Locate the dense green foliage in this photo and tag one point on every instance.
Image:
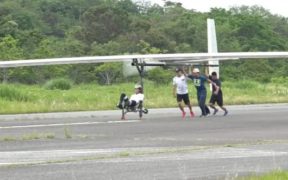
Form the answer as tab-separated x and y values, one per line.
11	94
64	28
161	76
61	83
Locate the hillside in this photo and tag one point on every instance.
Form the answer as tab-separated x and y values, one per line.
63	28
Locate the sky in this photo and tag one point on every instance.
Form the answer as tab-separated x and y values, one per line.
274	6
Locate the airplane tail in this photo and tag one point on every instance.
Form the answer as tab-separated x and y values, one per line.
212	46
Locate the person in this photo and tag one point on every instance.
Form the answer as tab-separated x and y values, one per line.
180	91
199	83
217	95
134	100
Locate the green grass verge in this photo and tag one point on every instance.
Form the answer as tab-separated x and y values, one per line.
276	175
28	137
31	99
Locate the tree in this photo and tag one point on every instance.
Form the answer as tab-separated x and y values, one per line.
109	48
103	23
160	76
146	48
108	73
9	50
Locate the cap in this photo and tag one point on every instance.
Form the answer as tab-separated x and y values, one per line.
178	69
137	86
196	70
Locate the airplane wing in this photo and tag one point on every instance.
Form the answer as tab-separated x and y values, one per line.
172	58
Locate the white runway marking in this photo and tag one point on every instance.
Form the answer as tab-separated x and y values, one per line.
26	157
67	124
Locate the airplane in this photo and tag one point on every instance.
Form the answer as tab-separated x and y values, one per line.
140	61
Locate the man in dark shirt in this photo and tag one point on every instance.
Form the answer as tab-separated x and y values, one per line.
217	95
199	83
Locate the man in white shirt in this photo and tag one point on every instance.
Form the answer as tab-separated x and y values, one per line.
137	97
134	100
180	91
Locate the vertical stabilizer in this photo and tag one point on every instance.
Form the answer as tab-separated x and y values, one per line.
212	45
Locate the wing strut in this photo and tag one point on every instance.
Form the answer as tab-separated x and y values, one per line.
140	67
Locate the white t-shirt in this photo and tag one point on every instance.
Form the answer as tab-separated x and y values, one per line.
137	97
181	84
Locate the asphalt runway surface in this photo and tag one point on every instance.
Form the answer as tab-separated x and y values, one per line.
252	139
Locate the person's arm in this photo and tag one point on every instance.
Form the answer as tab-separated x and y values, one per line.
217	89
174	90
184	72
141	97
174	87
215	85
218	83
208	76
190	76
210	81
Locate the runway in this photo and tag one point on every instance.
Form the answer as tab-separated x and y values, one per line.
98	145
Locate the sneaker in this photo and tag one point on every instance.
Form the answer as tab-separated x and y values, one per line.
192	114
215	111
119	106
145	111
204	115
226	112
183	114
122	97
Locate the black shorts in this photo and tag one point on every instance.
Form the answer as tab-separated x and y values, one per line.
184	97
216	98
132	103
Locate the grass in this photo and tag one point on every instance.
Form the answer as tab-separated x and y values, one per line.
35	136
8	138
67	133
276	175
16	98
62	84
29	137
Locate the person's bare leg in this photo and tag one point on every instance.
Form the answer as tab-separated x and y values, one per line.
224	109
213	107
191	111
182	109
